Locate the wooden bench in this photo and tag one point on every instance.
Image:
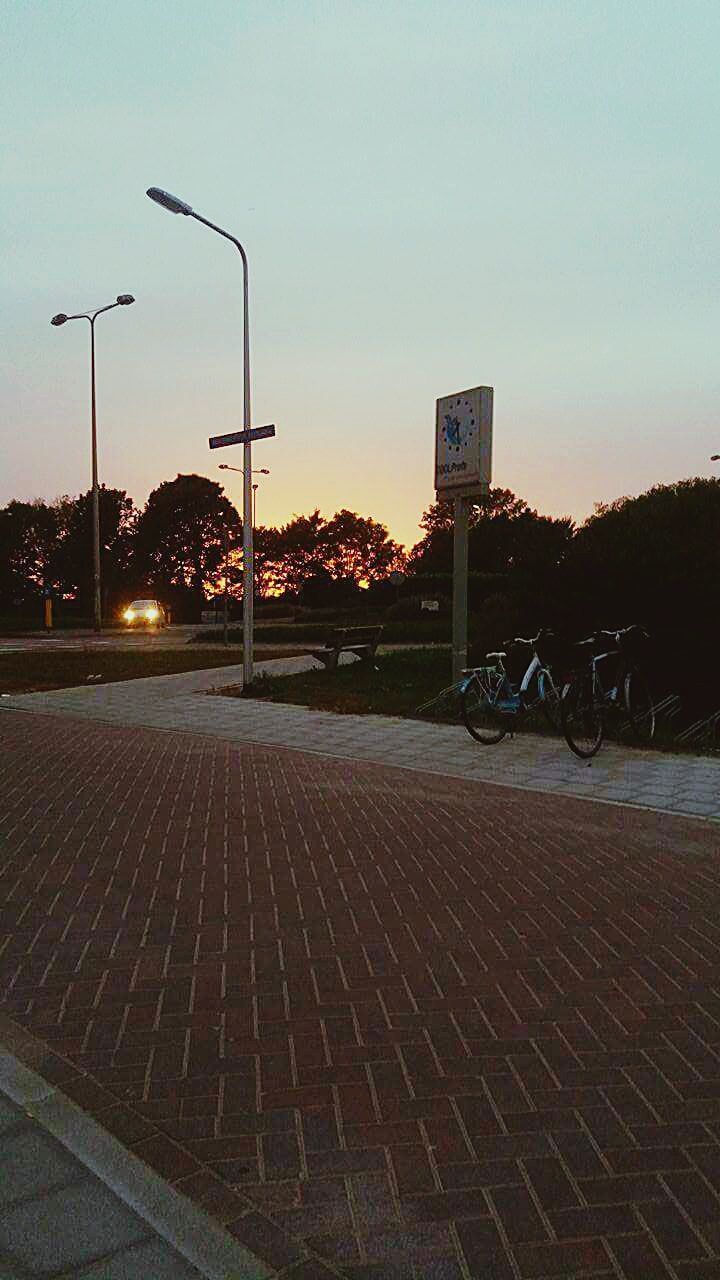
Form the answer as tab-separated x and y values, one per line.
362	641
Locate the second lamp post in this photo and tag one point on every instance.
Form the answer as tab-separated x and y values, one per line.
122	300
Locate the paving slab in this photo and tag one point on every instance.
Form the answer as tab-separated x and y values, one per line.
674	783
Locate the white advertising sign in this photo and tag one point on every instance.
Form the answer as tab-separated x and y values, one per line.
463	443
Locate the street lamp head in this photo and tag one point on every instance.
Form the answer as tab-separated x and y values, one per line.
125	299
60	318
714	457
167	201
264	471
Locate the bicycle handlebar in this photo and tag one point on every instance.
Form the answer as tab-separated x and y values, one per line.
525	640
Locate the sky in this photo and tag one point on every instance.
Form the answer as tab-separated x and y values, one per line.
432	196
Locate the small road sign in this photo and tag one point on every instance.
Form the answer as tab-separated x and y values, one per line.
242	437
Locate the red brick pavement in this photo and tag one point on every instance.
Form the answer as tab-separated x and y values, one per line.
416	1027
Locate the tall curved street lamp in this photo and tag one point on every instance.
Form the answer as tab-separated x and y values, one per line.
122	300
174	205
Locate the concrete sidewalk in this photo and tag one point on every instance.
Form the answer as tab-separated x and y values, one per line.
683	784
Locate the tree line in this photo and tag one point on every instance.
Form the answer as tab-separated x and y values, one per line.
652	559
181	547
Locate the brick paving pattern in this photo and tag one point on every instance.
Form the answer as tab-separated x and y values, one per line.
415	1027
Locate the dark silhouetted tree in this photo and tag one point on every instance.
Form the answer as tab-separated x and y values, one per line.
180	536
359	549
74	558
29	539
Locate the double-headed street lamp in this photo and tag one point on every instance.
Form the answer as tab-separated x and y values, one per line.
122	300
174	205
260	471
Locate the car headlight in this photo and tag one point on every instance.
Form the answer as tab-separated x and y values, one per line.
152	613
128	615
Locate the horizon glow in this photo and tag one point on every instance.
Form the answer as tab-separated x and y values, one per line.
510	194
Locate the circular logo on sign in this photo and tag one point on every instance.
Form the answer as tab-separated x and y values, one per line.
458	426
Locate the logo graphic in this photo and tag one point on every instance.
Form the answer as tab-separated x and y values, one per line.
459	426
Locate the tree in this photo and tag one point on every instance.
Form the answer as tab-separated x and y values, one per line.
359	549
297	550
267	560
440	515
514	556
653	559
74	558
29	534
180	536
492	525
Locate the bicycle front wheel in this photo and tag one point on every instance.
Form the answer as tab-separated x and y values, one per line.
582	717
477	705
639	706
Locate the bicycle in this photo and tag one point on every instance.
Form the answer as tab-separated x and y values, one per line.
596	690
492	704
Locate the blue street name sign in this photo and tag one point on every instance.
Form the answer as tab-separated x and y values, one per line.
242	437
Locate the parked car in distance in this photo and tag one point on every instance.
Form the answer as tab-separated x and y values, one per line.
144	613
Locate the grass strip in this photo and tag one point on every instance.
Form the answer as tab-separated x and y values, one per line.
31	670
395	684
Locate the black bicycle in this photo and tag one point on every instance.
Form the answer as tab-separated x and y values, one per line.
608	680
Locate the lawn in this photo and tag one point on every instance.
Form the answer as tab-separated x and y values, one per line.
34	670
397	685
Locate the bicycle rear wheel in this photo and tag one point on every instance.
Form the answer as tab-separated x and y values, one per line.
639	706
480	717
582	717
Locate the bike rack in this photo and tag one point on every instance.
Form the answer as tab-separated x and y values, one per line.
701	730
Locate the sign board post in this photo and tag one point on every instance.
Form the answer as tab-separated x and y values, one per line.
460	588
463	464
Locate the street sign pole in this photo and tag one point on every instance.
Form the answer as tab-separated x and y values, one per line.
225	594
460	588
245	438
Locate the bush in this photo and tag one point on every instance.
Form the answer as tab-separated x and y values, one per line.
500	618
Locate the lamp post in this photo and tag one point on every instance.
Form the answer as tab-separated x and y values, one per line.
174	205
122	300
261	471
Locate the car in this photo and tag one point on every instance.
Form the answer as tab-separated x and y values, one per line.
147	613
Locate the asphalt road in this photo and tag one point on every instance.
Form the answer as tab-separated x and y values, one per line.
114	638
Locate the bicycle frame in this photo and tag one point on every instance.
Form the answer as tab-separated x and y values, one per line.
611	696
500	692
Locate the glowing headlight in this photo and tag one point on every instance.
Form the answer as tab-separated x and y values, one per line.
128	615
152	613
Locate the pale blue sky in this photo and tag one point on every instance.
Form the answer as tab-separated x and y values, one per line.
432	196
